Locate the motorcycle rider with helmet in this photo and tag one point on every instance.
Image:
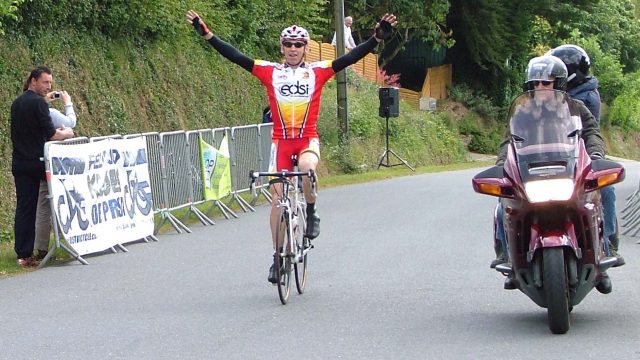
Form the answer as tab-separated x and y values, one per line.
584	87
548	73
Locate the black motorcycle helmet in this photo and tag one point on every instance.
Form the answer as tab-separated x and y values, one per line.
545	68
576	60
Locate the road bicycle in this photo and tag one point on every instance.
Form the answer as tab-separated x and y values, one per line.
293	244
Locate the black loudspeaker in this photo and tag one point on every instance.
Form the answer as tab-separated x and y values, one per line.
389	102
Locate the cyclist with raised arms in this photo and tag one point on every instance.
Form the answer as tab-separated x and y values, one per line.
294	89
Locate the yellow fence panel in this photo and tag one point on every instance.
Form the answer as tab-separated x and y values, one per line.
314	51
437	81
327	52
410	96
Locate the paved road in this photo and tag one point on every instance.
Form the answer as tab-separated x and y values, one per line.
400	272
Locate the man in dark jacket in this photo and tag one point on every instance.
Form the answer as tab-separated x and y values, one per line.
31	127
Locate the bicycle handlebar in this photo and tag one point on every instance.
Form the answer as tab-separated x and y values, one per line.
254	175
280	174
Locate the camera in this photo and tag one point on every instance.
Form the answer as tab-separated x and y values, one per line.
56	95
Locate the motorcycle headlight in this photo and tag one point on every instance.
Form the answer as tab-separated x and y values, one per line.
549	190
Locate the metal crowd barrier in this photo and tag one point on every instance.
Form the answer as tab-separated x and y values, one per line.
244	149
631	215
176	178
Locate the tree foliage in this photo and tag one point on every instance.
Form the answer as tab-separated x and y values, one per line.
8	9
250	25
114	18
625	110
612	22
425	20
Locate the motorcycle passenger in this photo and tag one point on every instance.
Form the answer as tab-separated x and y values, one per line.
584	87
294	89
548	73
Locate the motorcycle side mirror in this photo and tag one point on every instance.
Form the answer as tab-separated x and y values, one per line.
492	181
603	173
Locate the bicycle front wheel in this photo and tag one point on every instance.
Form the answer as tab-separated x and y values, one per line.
302	245
283	260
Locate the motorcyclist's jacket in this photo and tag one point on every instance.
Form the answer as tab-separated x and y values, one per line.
593	140
587	92
294	94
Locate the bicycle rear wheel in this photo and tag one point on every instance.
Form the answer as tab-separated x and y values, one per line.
302	245
283	260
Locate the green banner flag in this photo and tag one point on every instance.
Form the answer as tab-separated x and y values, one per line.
216	170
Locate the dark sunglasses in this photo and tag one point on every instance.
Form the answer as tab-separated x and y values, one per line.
543	82
289	44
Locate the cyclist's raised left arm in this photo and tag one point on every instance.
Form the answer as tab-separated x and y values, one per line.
234	55
354	55
382	31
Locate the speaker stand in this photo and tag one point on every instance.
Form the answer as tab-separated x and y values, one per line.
384	158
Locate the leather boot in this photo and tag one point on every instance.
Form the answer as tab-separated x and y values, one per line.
604	285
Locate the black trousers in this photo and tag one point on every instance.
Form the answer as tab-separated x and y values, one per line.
27	175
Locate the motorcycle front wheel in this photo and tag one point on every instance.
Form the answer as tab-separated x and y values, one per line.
556	289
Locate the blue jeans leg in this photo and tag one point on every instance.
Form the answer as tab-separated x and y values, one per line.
500	241
608	195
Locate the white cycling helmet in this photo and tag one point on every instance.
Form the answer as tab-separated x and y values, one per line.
293	33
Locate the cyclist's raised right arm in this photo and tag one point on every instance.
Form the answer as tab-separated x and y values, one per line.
225	49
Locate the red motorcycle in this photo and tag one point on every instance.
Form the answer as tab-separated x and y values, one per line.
552	209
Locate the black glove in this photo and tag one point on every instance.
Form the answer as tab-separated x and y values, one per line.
200	27
384	30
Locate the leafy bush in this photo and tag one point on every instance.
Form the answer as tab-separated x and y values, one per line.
479	103
117	18
484	140
625	109
8	10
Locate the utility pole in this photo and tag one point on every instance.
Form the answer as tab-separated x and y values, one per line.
341	76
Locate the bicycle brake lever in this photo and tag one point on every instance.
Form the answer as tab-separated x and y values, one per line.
253	176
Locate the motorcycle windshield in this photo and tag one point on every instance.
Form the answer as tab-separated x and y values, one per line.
544	134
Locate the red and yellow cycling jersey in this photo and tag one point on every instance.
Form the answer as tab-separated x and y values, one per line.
294	95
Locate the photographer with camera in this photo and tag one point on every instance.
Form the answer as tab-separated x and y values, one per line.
43	212
31	127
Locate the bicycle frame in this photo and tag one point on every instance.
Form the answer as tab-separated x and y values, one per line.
294	245
289	205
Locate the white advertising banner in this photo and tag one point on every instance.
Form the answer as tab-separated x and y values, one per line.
101	192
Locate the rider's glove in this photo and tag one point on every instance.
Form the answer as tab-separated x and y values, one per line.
383	31
200	27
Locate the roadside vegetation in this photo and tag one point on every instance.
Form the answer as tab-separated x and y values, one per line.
136	66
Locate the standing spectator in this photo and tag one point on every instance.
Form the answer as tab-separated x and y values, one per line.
349	43
43	213
31	127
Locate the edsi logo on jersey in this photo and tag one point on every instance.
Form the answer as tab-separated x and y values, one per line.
296	89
